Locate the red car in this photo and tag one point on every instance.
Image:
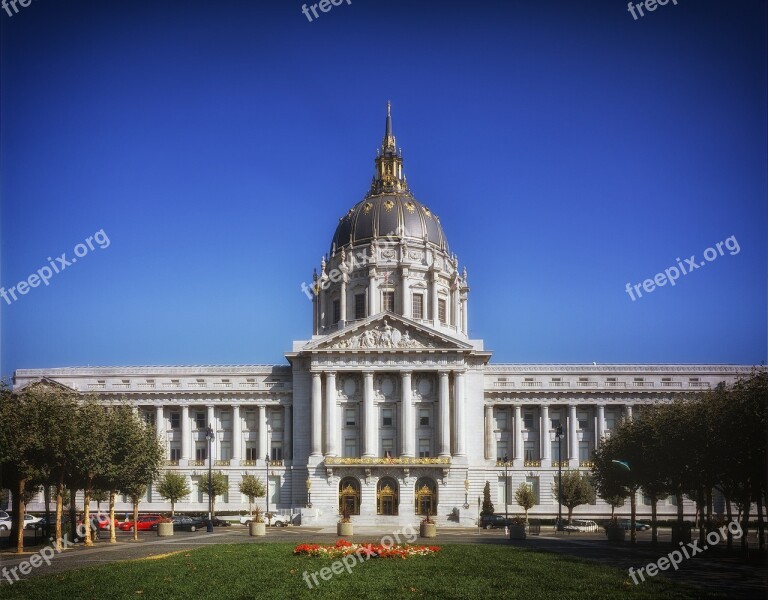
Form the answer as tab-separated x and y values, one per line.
102	519
145	523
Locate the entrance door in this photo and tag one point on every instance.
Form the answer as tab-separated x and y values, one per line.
387	497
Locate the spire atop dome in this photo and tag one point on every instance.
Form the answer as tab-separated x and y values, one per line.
389	163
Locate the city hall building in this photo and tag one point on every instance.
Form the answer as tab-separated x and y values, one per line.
388	408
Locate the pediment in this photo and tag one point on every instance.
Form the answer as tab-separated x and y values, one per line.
387	332
44	384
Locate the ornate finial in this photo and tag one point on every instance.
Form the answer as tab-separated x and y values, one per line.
314	274
464	275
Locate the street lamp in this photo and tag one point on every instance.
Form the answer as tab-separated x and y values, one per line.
266	481
506	479
559	438
309	493
209	437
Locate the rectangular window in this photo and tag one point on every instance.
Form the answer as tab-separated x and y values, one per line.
502	451
583	424
555	422
441	311
250	451
610	421
225	418
387	447
423	417
359	306
386	417
585	452
425	448
336	311
250	420
388	301
350	417
276	451
554	451
175	452
201	451
175	420
149	418
276	420
350	448
418	306
529	449
528	420
225	450
200	420
502	420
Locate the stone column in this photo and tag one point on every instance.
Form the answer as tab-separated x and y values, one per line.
628	412
454	320
573	437
373	292
433	296
490	438
369	417
464	320
263	449
186	433
407	428
406	296
600	433
445	417
160	427
287	432
343	300
519	454
460	420
331	422
317	415
323	316
237	434
544	441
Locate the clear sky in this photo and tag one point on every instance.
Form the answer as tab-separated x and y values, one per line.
568	148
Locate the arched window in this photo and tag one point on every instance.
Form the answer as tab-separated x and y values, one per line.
349	496
426	496
387	496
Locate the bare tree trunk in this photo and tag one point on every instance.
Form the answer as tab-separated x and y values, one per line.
47	500
72	512
633	515
709	510
760	524
18	515
745	518
729	516
112	533
700	515
59	510
654	526
135	519
680	507
88	541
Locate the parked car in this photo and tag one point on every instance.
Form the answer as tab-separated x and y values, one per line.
103	521
144	523
493	521
30	521
216	522
627	525
275	520
5	525
582	525
4	516
183	523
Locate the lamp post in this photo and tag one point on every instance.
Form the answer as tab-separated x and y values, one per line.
309	493
559	437
266	482
506	489
209	437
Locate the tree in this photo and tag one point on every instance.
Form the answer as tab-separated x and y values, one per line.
253	488
577	489
219	487
487	504
525	497
173	487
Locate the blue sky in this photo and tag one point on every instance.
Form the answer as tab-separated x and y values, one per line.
567	148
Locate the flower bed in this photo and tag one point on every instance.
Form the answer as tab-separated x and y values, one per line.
369	550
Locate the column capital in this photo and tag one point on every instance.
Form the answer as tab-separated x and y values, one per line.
406	372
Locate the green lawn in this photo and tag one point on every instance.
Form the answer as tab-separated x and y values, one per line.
240	571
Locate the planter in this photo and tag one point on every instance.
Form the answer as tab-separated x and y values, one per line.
164	529
428	530
615	534
257	529
517	532
344	529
